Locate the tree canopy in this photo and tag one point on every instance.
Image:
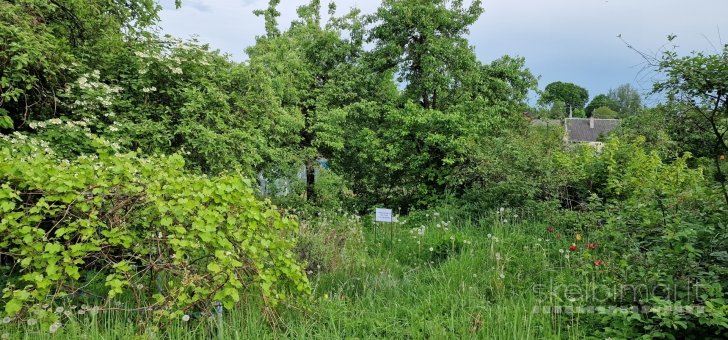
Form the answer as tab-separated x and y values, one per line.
599	101
573	96
627	99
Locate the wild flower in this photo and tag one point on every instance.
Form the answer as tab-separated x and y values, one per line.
578	237
561	251
502	276
539	239
431	249
59	310
5	336
81	311
558	235
551	230
566	256
452	238
591	246
186	318
31	322
489	235
475	275
598	262
7	319
573	247
54	327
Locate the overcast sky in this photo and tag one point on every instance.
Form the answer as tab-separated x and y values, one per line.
562	40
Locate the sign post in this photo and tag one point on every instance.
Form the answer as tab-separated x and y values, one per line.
383	215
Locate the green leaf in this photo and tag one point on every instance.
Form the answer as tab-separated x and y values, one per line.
214	267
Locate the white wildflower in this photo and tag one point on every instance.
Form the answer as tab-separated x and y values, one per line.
54	327
186	318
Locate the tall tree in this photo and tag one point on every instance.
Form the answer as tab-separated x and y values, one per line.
424	42
573	96
627	99
404	151
315	74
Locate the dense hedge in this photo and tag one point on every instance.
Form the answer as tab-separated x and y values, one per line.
136	230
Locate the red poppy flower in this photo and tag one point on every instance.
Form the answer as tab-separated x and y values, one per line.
598	262
551	230
591	246
573	247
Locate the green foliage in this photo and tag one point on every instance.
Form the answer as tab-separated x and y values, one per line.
699	84
124	222
627	100
570	94
519	169
605	113
599	101
423	43
663	227
314	76
43	37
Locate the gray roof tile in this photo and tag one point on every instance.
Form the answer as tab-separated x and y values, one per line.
578	129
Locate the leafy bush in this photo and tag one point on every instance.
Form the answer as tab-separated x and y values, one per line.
527	166
664	228
605	113
151	235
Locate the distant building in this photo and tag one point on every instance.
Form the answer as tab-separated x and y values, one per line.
588	130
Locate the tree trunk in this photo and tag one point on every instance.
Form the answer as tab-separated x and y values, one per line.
310	180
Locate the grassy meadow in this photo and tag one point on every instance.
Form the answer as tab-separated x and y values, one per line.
431	275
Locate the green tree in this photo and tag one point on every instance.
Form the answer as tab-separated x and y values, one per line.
573	96
627	99
403	151
315	75
423	43
605	113
699	83
599	101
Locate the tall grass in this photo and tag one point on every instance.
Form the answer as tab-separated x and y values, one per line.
435	276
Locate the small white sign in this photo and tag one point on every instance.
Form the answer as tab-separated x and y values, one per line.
384	215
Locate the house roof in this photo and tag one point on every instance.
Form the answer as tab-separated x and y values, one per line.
578	129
